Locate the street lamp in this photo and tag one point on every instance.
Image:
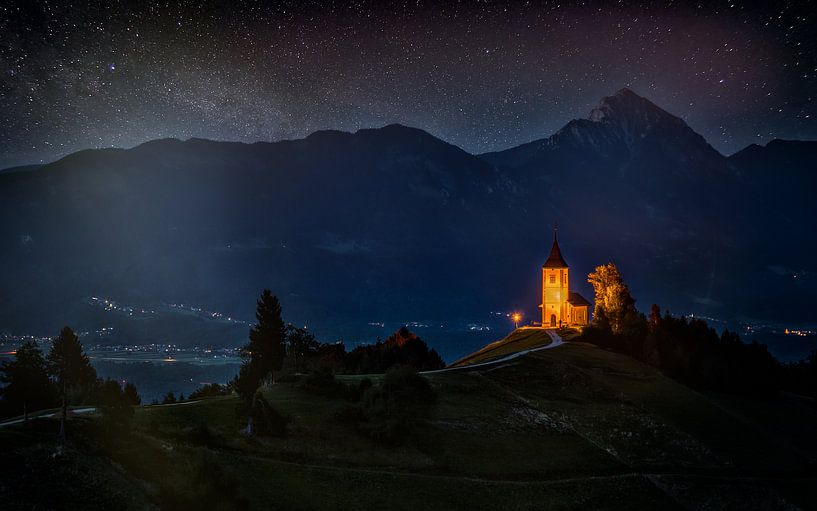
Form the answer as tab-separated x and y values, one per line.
516	317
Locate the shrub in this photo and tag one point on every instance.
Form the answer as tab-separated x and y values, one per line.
266	420
113	403
393	409
201	434
323	383
210	390
209	488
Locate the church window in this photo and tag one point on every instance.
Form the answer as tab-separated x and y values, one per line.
553	279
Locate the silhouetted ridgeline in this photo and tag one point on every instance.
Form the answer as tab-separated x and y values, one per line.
405	227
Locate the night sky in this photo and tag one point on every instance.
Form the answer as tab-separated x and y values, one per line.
482	75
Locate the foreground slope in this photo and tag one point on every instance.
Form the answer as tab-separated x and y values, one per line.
570	427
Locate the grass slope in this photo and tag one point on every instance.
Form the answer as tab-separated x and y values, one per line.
572	427
521	339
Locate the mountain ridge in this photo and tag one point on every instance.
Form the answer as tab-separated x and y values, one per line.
606	109
406	226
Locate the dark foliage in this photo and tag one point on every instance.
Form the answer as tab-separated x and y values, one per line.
266	349
68	364
801	377
265	420
691	352
263	355
301	347
403	348
114	403
323	383
392	410
202	434
132	395
210	390
26	386
211	488
169	398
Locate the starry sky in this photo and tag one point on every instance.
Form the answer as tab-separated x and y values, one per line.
483	75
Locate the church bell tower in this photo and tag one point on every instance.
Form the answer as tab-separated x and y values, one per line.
555	291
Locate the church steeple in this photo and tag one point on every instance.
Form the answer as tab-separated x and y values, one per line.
555	259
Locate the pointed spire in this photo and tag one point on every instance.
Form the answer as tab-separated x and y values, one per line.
555	259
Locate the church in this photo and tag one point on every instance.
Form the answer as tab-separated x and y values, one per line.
559	306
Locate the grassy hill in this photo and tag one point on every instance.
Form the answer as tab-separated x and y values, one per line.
570	427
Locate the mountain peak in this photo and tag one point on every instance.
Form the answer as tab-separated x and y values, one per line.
628	108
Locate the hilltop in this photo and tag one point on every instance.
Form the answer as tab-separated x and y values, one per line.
570	427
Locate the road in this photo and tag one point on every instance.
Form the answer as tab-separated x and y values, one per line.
75	411
556	341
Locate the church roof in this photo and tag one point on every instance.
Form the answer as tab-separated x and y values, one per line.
555	259
577	300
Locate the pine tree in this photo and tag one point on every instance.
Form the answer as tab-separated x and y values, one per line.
264	354
132	395
26	383
70	368
267	347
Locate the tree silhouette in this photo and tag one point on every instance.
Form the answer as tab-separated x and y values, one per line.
26	383
69	366
267	348
131	394
264	354
114	403
300	344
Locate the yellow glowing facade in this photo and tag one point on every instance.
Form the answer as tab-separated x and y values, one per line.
559	306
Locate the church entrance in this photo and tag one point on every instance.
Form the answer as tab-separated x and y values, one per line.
553	320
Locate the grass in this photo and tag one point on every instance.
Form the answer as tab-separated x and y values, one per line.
571	427
521	339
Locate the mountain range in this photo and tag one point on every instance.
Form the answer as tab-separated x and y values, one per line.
393	225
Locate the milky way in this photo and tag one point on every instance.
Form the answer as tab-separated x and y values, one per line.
484	76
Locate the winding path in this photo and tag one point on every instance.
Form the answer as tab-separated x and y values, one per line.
75	411
556	341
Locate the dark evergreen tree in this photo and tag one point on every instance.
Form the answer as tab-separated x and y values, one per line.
169	398
71	369
300	345
264	354
26	385
132	395
267	347
114	403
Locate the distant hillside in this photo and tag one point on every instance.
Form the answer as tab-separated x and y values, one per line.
575	427
394	225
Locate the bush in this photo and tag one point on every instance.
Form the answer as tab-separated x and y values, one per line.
113	403
266	420
323	383
210	488
393	409
201	434
210	390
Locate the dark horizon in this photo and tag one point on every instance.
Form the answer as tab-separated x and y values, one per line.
398	124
